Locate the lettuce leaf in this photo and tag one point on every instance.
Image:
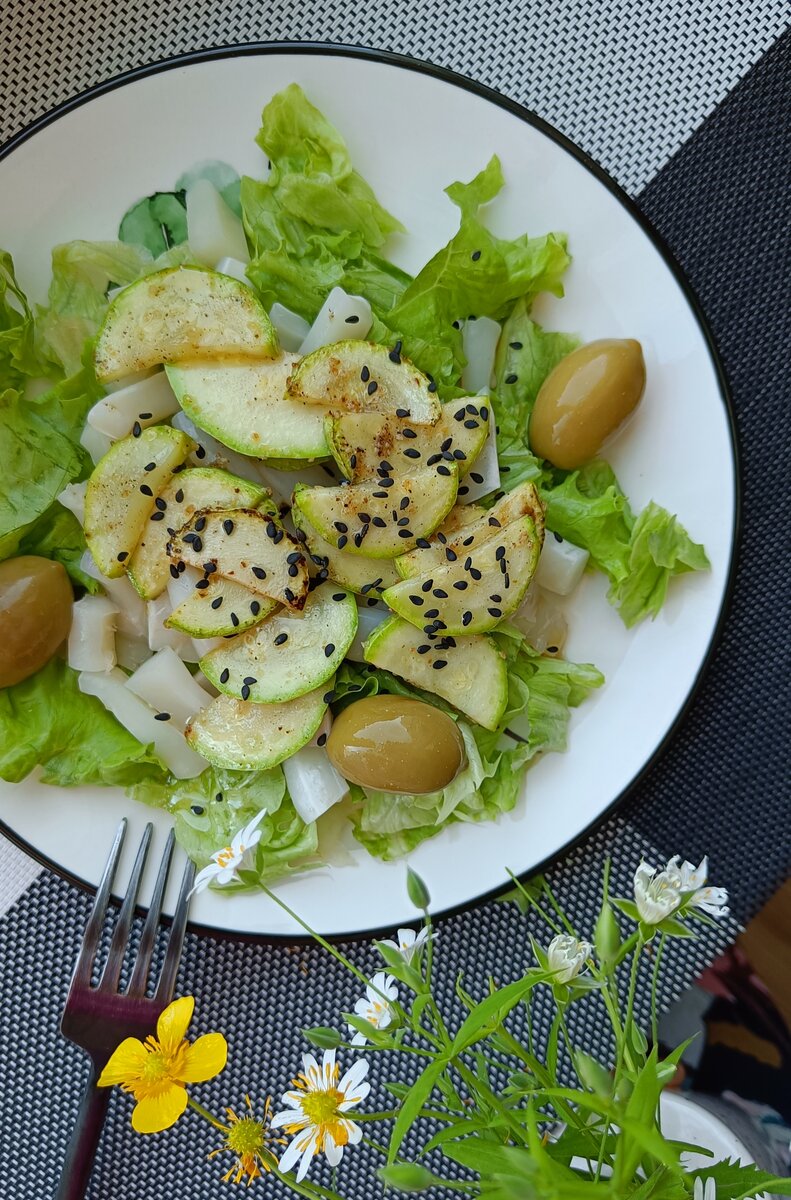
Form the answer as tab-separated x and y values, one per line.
159	221
210	809
659	549
18	359
58	535
542	692
47	721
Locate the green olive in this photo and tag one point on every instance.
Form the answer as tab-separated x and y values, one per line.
396	745
585	399
35	615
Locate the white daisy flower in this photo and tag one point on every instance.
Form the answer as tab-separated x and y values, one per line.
316	1113
567	956
658	894
408	943
225	862
374	1007
704	1191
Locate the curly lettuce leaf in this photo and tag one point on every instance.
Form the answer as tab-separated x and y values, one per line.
19	361
58	535
541	694
659	549
46	721
210	809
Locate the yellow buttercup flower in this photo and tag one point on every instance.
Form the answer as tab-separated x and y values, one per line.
249	1140
156	1071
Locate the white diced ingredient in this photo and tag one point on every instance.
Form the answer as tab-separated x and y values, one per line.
541	621
313	782
165	683
340	318
97	444
368	618
202	646
561	565
291	328
282	483
131	652
485	465
92	634
73	498
213	231
179	589
141	721
159	635
132	618
233	267
145	402
479	342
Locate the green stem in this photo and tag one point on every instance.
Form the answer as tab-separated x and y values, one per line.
479	1089
654	985
314	1191
375	1146
565	1111
207	1116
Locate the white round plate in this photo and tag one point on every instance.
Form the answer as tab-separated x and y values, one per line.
413	129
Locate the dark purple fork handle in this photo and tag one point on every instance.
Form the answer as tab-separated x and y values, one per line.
81	1151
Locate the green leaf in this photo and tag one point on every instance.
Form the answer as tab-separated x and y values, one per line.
628	908
741	1182
492	1011
409	1177
157	222
323	1037
413	1103
416	890
399	1090
19	361
46	721
659	549
674	928
592	1074
606	935
400	969
484	1157
58	535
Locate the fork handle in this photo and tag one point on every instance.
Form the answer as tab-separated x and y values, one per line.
85	1136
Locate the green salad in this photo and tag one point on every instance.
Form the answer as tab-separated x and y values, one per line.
304	521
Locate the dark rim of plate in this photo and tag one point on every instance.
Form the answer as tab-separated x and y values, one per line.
407	63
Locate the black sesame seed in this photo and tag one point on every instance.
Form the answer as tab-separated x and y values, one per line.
122	554
409	433
379	522
461	585
507	580
476	477
136	429
341	527
463	490
459	415
439	663
160	503
218	798
511	378
200	524
495	522
352	461
342	540
466	618
321	576
329	650
515	345
456	324
163	716
294	557
557	537
245	691
146	490
402	412
182	566
440	594
402	521
494	612
372	386
365	375
281	638
423	543
259	572
475	573
234	620
379	495
470	424
289	595
496	597
339	595
424	649
503	566
150	466
417	600
427	586
450	554
443	470
200	452
174	571
328	697
228	525
484	413
210	567
468	541
431	612
179	496
386	483
293	570
432	387
249	680
198	809
197	544
371	601
145	416
352	320
216	602
157	516
202	584
405	533
271	529
499	553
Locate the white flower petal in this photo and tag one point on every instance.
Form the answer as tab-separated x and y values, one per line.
354	1132
292	1152
287	1116
359	1038
310	1150
697	1191
710	1190
204	878
357	1071
355	1097
333	1153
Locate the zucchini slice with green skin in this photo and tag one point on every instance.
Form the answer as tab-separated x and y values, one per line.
356	376
523	501
286	656
474	591
254	737
470	673
184	494
182	314
246	408
359	442
116	508
219	609
247	547
382	517
366	577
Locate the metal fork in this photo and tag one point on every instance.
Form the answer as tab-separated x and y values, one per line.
99	1018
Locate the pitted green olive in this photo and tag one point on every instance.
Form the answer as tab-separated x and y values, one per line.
394	744
35	615
585	399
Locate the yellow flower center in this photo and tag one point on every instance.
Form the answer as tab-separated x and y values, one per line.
246	1137
224	856
322	1107
159	1071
